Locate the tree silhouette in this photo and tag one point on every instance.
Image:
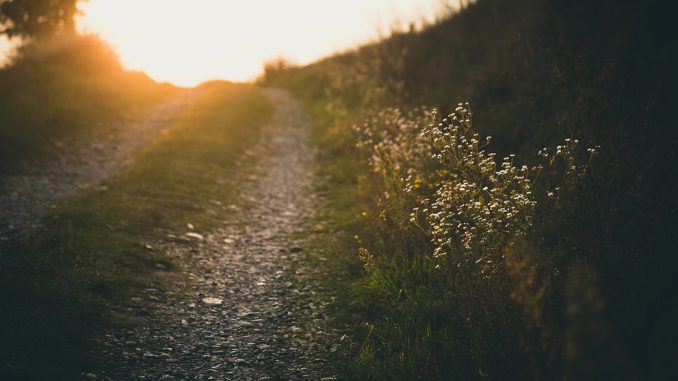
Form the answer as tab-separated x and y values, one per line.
37	18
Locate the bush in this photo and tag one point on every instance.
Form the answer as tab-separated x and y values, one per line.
482	218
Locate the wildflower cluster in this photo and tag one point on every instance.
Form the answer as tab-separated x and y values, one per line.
469	203
394	143
478	205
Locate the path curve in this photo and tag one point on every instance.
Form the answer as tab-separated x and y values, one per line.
81	164
252	309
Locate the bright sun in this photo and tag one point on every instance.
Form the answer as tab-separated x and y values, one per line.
188	42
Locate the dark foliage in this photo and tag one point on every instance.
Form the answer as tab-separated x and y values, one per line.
37	18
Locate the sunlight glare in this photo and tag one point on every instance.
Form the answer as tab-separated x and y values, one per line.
188	42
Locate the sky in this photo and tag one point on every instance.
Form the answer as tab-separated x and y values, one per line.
186	42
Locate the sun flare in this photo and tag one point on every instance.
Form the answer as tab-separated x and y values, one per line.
187	42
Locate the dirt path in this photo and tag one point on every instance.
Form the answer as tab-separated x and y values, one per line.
81	164
252	309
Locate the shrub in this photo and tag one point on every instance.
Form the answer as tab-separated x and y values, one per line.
468	204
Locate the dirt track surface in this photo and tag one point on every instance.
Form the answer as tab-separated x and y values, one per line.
81	164
251	308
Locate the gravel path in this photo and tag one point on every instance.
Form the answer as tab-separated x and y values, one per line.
80	164
251	309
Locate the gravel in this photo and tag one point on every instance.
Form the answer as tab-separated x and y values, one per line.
249	306
80	163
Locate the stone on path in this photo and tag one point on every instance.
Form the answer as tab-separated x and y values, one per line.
212	301
195	235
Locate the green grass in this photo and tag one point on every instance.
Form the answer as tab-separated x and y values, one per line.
57	280
63	87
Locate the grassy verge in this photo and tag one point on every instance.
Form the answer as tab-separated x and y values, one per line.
56	281
586	288
345	227
58	88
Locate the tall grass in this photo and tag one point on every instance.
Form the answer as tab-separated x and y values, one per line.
454	220
547	264
54	88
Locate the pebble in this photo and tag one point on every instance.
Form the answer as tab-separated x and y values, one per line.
212	301
195	235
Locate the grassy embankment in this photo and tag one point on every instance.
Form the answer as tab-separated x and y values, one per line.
56	281
577	281
61	87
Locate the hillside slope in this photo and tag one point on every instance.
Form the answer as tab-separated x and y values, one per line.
599	296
